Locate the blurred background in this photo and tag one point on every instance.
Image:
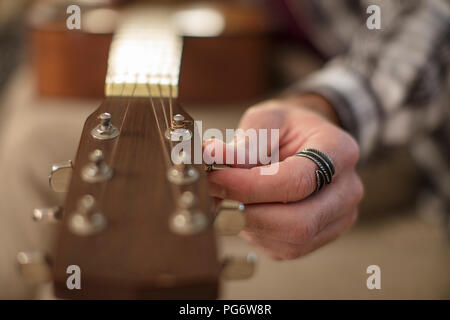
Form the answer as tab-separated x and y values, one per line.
52	79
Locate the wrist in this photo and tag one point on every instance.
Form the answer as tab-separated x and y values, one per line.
316	103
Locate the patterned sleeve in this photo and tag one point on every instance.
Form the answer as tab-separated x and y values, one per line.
389	73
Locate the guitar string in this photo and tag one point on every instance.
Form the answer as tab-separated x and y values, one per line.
166	152
164	111
125	204
170	107
175	191
114	150
196	186
170	102
163	108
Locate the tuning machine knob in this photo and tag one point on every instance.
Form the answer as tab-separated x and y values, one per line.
60	175
183	172
230	219
239	268
97	170
178	130
105	130
51	215
34	267
186	222
87	220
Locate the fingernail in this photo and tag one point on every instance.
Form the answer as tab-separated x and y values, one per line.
208	152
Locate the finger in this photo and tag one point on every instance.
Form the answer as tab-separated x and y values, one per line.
330	233
235	154
289	180
281	250
246	150
275	249
298	222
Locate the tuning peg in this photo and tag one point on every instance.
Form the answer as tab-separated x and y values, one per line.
51	215
239	268
87	220
230	219
60	175
34	267
185	222
178	130
105	130
96	170
182	173
178	121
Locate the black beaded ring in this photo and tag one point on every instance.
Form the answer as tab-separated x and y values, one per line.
326	168
324	156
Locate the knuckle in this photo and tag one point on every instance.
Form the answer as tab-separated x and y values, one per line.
354	218
359	190
323	218
251	111
290	253
350	221
353	150
302	186
346	142
301	232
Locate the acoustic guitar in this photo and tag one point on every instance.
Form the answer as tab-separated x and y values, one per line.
226	40
137	221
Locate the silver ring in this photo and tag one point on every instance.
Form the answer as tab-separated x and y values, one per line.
326	171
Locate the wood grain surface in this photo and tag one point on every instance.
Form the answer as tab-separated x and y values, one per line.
136	256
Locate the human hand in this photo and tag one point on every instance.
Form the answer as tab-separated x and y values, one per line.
283	217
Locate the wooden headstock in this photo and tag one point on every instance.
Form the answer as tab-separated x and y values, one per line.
135	253
137	223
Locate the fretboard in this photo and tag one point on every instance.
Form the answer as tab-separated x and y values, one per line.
145	55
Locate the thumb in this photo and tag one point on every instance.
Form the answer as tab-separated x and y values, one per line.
237	153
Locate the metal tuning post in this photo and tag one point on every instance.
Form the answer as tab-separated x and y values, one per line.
105	130
187	200
216	167
50	215
96	170
87	220
34	267
239	268
60	175
178	130
187	220
178	121
183	173
230	219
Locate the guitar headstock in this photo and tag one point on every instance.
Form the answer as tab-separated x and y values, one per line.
133	231
138	221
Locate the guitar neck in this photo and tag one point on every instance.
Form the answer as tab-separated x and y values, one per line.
145	55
